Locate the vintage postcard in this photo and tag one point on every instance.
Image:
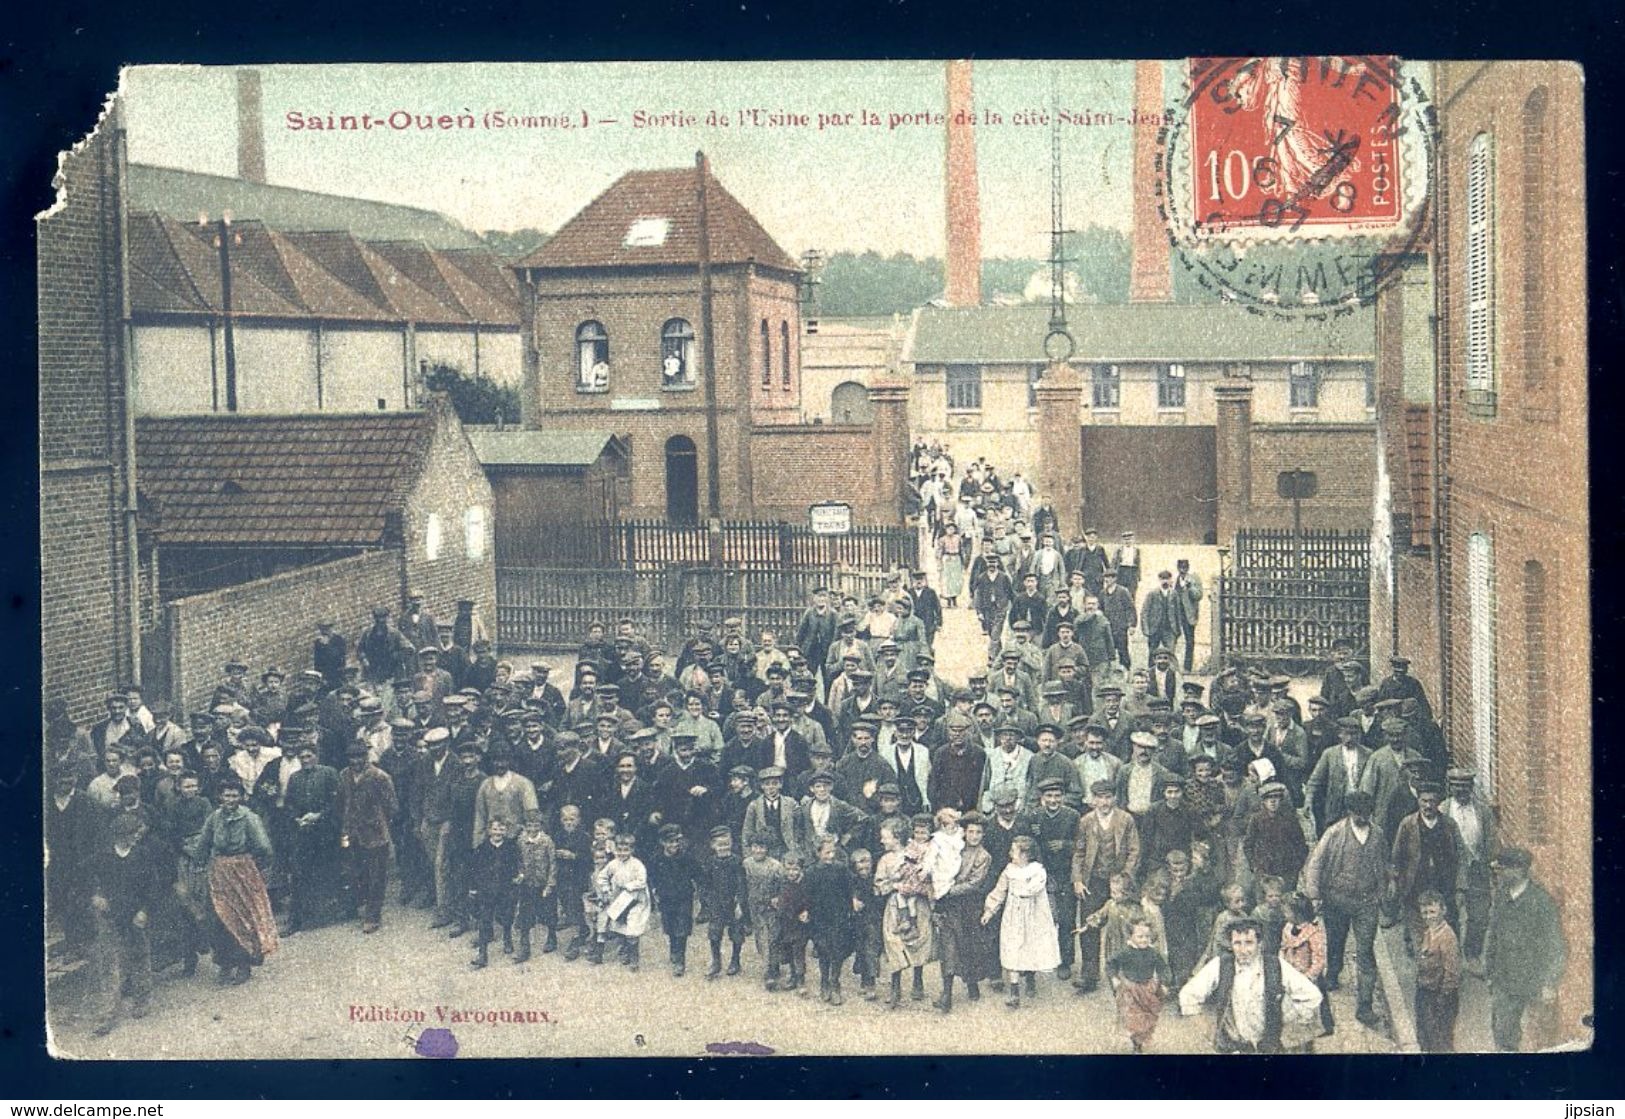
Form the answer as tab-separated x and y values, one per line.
866	558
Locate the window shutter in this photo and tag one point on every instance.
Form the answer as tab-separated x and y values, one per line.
1481	620
1480	262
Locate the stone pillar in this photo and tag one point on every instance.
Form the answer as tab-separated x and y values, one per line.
891	445
1233	407
1060	444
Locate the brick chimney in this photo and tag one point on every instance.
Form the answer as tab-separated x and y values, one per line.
1151	267
250	128
964	232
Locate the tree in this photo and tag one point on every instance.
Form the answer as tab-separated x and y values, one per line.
477	400
512	244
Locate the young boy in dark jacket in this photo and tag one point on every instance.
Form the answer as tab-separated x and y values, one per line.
493	876
673	874
573	848
722	899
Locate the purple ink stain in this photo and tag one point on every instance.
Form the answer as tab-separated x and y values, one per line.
738	1048
436	1043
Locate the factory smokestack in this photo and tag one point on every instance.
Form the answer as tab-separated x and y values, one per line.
1151	268
964	232
250	128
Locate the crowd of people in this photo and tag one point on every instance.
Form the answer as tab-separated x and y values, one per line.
1064	812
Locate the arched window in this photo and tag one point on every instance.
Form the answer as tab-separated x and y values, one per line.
677	355
767	356
592	357
784	352
849	404
1481	275
1535	180
1481	626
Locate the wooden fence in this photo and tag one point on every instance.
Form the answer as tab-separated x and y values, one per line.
541	608
1287	598
739	545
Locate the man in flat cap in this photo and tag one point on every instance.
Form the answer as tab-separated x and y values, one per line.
365	805
1401	685
1108	843
927	606
773	818
958	770
1340	769
1426	857
1159	617
1274	842
1525	951
1347	874
1385	777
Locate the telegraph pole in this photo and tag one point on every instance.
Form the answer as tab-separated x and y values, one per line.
708	348
222	238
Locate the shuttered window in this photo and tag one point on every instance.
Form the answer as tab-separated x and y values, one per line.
1481	272
1481	620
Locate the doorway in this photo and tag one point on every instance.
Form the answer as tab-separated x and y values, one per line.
682	481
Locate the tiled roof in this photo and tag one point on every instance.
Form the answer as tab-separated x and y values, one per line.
1113	332
323	480
520	447
185	194
1419	461
597	236
175	269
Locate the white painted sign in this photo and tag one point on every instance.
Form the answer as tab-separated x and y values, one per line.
832	518
634	404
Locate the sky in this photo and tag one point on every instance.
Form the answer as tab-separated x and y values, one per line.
843	187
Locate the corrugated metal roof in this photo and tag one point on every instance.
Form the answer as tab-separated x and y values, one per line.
597	237
524	447
1112	332
279	480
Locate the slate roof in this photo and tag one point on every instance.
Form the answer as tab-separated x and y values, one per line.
519	448
596	236
324	480
184	194
1124	332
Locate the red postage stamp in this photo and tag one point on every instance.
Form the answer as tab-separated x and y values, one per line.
1291	143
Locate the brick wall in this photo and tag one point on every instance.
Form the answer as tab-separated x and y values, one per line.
273	621
452	482
801	465
85	639
1342	456
1517	472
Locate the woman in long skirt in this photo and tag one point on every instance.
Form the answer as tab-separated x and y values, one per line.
961	942
951	560
236	846
905	930
1027	940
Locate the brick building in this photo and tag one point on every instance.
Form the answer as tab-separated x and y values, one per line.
230	499
614	326
90	632
1481	531
1142	427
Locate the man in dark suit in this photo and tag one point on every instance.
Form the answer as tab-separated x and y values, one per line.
1159	613
1089	557
927	606
1339	771
1188	597
687	790
1117	606
784	748
631	802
